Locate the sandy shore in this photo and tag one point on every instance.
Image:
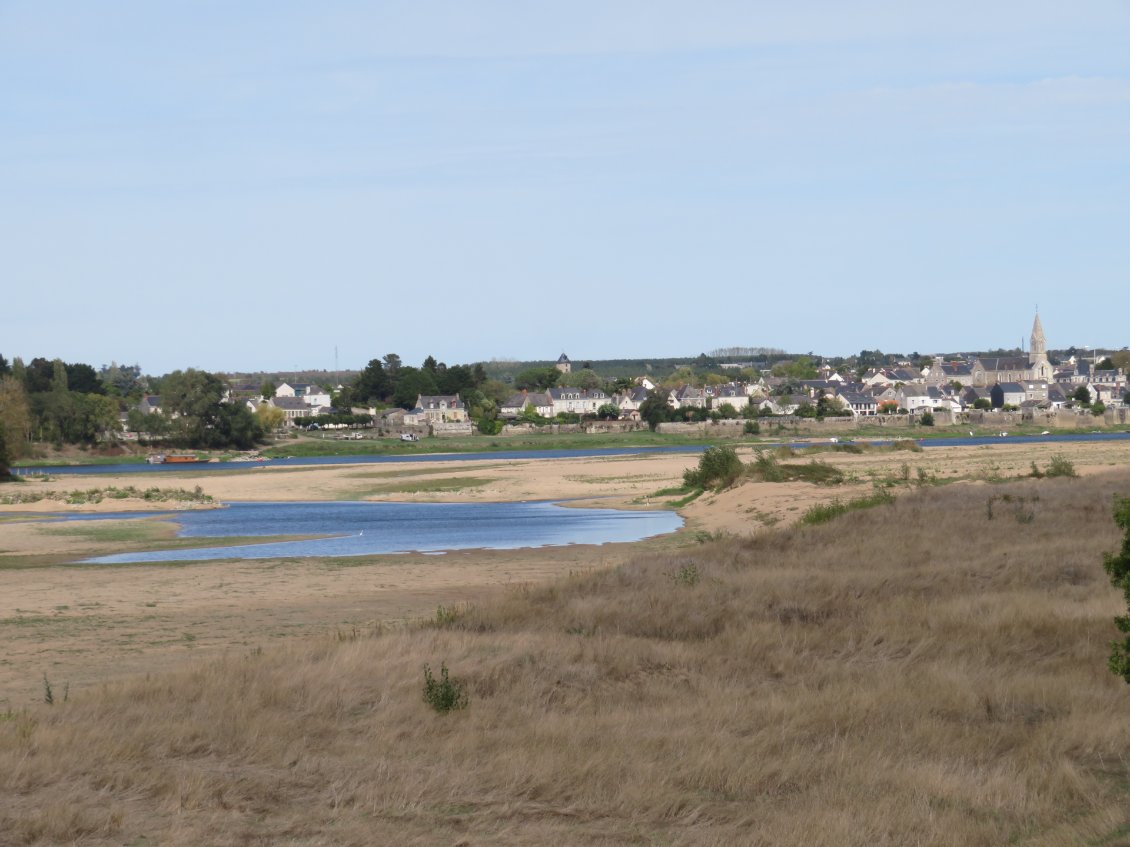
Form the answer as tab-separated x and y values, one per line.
84	625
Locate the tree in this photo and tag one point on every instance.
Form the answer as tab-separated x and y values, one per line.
5	368
270	417
15	415
727	411
411	383
203	419
1082	396
587	378
655	410
983	403
608	412
268	389
926	419
372	384
1117	567
1106	364
537	379
84	379
122	380
1098	408
5	461
800	368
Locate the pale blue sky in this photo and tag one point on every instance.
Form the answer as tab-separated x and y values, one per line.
245	186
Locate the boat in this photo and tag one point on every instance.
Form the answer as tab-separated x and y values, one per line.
182	459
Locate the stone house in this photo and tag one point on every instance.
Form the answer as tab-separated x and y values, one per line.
440	408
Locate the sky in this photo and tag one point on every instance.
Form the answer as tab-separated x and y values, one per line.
272	186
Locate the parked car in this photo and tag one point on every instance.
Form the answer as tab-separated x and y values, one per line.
409	436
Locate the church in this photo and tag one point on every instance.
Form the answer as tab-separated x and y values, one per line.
1035	366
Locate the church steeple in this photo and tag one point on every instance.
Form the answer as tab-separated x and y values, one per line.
1038	365
1039	347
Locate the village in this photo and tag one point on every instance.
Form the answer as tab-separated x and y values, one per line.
945	391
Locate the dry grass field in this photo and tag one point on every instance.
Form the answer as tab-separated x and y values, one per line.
932	671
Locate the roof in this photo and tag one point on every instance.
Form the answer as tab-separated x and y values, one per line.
1005	363
438	401
562	359
289	403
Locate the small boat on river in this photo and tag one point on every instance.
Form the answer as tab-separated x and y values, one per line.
174	459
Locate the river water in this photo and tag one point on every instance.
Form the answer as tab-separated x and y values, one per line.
365	528
543	454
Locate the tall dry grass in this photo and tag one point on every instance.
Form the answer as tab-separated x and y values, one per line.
913	674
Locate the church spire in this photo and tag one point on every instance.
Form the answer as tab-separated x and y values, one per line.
1038	349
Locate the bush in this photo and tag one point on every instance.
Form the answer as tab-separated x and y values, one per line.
445	694
1060	466
752	428
1117	566
926	419
718	466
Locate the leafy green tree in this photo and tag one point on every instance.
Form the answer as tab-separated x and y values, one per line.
800	368
5	368
15	415
372	384
1098	408
204	420
268	389
413	382
270	417
1117	566
727	412
655	410
608	412
122	380
59	380
587	378
37	375
983	403
236	426
457	379
84	379
1082	396
537	379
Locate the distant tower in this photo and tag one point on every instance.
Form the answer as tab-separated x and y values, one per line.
563	364
1038	352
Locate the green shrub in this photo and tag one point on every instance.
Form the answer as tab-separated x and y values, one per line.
824	512
1117	566
752	428
687	575
1060	466
718	466
445	694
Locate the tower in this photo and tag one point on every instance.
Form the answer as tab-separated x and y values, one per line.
1038	362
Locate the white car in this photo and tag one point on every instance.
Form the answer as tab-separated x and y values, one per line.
409	436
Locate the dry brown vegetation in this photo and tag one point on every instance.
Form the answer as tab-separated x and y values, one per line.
918	673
